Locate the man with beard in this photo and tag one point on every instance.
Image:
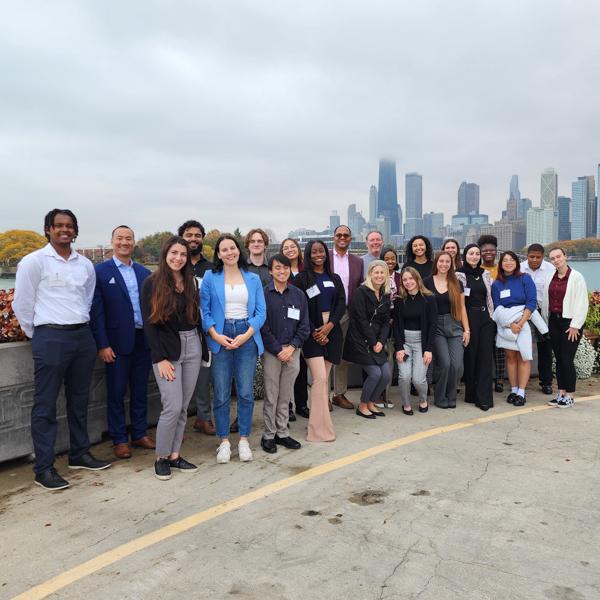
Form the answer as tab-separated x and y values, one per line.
193	232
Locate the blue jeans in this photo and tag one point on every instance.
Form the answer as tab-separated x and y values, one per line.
238	365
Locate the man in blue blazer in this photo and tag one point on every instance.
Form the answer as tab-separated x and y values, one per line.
116	321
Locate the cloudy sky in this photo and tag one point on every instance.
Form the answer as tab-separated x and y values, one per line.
265	113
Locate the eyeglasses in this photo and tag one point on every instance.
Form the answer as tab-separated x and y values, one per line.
342	235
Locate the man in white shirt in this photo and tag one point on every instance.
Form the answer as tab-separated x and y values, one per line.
540	270
53	296
374	241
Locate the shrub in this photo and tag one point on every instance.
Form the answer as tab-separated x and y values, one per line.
10	330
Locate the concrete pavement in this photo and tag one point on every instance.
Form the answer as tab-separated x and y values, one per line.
503	509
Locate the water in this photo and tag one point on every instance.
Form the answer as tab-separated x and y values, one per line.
7	283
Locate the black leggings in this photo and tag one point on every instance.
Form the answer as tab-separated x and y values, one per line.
564	352
378	377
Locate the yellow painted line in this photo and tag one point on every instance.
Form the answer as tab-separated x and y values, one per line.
51	586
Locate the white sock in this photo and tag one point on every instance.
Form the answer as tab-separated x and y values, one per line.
521	392
514	389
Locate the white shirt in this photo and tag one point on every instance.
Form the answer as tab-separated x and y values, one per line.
236	301
52	290
539	276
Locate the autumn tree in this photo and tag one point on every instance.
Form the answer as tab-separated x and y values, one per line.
16	243
208	244
148	247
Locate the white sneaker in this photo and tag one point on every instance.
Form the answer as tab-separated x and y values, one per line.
384	405
224	452
244	451
565	402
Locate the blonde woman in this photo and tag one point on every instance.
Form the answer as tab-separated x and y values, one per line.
368	332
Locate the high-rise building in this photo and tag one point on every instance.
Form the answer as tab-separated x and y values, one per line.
579	195
515	194
468	198
334	220
356	221
433	224
591	208
400	220
511	236
372	204
548	189
413	204
512	209
564	218
542	226
598	204
387	194
524	206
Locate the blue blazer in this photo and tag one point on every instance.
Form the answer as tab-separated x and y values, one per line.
111	316
212	303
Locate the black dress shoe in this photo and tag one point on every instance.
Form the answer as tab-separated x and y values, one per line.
292	416
87	461
423	409
180	464
511	398
451	403
547	389
483	407
303	412
408	412
499	387
268	446
51	480
519	400
365	416
234	427
377	413
288	442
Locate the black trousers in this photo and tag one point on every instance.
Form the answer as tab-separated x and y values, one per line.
478	358
564	352
60	356
301	386
544	348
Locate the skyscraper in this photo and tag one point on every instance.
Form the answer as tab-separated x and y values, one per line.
549	189
468	198
579	204
513	190
334	221
387	194
598	204
372	204
591	208
542	226
564	218
432	224
414	204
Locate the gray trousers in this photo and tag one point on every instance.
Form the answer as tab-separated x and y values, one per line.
202	394
448	353
279	380
175	395
412	368
340	372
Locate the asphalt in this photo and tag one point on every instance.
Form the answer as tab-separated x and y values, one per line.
494	508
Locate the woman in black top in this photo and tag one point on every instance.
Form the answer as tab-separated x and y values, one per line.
368	332
452	332
173	329
326	306
415	318
419	255
477	284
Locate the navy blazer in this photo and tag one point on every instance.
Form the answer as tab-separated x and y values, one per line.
111	316
212	303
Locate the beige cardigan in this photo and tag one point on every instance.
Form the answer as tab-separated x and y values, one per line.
575	304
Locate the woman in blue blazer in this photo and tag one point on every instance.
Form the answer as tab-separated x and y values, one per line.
233	311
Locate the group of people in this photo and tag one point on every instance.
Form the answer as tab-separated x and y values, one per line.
201	324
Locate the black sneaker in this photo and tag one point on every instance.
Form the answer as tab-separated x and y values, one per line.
87	461
288	442
162	469
498	387
51	480
519	400
511	398
180	464
269	446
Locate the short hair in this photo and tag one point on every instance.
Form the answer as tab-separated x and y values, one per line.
49	220
535	248
121	227
487	239
263	235
342	225
374	231
280	258
188	225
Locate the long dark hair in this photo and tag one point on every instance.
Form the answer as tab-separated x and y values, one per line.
453	285
164	295
218	263
410	255
300	258
308	265
516	273
457	259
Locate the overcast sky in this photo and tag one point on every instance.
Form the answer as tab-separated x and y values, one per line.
265	113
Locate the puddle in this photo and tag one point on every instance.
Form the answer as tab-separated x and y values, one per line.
368	497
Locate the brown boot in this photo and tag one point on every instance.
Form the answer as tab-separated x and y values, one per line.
343	402
205	427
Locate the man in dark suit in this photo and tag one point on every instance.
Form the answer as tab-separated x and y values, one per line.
350	269
116	320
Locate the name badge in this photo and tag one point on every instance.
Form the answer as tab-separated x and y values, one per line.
313	291
505	294
293	313
56	280
467	291
328	284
